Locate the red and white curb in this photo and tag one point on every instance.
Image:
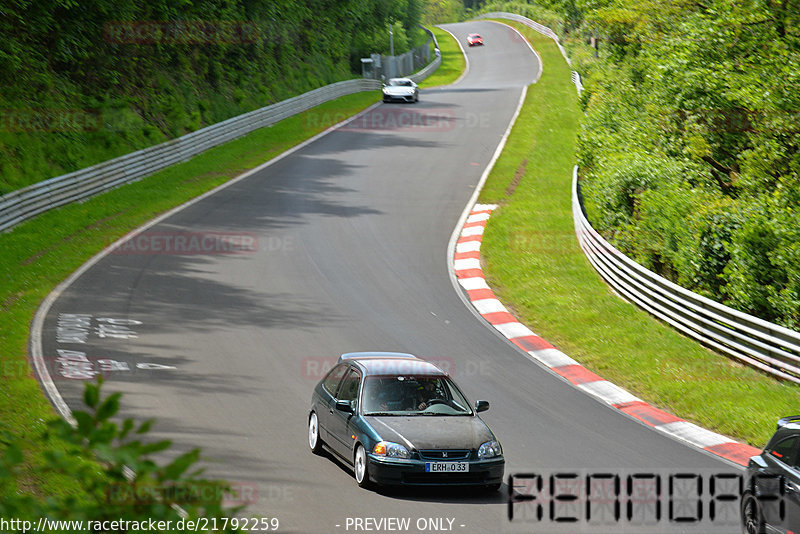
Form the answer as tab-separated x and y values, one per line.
468	272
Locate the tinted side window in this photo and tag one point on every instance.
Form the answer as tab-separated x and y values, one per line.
331	381
349	389
784	450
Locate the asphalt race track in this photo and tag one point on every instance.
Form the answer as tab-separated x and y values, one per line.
219	320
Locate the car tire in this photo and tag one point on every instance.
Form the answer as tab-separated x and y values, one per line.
491	488
360	467
752	520
314	441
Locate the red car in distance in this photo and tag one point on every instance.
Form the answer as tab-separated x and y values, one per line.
474	39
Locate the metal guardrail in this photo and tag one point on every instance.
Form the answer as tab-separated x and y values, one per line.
433	65
427	71
383	67
761	344
23	204
758	343
544	30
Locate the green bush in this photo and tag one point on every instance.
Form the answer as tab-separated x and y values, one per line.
113	463
689	152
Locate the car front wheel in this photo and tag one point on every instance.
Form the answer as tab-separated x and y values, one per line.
314	441
360	467
752	522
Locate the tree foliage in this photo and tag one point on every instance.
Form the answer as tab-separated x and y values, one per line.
690	148
114	464
84	82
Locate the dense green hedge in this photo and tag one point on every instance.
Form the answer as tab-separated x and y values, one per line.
87	81
690	149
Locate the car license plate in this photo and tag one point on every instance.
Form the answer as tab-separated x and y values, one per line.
446	467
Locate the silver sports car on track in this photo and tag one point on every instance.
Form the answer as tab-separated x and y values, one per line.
400	90
401	421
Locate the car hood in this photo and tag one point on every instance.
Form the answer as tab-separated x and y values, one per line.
398	91
432	432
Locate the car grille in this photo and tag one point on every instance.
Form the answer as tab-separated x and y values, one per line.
444	478
444	454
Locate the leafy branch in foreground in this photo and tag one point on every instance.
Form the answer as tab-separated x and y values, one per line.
113	464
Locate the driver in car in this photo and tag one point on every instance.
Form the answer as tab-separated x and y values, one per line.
426	393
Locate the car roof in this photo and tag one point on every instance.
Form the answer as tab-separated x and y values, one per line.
375	354
400	80
787	426
791	421
392	364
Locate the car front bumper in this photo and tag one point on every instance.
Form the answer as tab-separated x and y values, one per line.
397	472
399	98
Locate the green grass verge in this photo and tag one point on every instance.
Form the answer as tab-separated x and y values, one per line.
37	255
533	262
453	62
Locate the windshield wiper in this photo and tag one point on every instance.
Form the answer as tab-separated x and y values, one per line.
379	413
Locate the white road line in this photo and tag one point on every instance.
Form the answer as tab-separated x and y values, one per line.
541	65
463	53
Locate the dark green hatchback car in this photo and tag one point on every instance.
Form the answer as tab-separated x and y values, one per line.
771	500
399	420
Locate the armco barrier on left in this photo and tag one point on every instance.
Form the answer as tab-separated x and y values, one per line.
28	202
25	203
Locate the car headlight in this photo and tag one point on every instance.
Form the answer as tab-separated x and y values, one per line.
390	450
490	449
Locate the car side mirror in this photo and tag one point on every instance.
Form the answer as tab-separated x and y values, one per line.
481	405
344	406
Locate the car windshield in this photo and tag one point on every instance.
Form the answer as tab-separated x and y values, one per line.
413	395
400	83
